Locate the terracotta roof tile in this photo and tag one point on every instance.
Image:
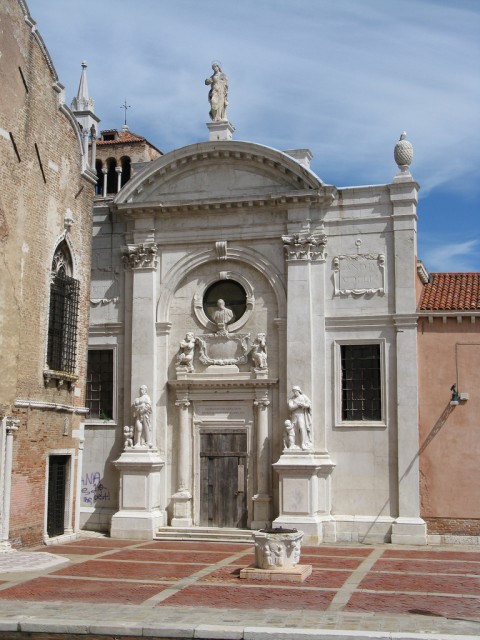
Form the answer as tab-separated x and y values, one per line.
123	137
451	292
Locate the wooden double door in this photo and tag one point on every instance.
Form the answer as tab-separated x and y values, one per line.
223	478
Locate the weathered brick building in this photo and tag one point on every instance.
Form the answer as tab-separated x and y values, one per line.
46	193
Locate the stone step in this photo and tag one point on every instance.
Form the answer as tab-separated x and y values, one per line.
213	534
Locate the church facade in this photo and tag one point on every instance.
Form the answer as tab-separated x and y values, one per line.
254	335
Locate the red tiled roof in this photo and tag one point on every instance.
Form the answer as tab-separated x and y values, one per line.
123	138
451	292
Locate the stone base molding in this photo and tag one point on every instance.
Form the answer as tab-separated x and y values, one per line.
140	513
305	500
409	531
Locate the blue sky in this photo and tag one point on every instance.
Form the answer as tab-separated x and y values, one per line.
343	78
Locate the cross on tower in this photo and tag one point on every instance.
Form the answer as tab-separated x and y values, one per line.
125	106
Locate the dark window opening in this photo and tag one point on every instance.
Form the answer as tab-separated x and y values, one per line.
100	177
231	292
112	179
126	169
100	384
361	382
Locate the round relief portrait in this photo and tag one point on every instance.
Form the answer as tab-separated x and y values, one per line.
225	302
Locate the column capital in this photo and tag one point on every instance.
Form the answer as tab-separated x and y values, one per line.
140	256
11	425
305	246
184	403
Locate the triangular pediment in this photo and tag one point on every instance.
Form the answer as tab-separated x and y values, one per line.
217	171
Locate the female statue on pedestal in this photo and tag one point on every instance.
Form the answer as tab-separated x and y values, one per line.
142	411
218	94
301	411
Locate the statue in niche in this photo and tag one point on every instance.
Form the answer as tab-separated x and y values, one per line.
187	351
301	412
128	436
142	411
223	315
289	436
259	351
218	94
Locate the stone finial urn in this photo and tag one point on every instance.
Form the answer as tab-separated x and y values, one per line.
277	548
403	152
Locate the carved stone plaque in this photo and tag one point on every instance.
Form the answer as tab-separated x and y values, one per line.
223	350
359	274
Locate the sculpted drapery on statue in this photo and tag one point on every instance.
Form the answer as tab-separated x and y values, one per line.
142	411
301	412
218	94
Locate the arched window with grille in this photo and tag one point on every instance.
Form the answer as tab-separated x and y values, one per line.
63	316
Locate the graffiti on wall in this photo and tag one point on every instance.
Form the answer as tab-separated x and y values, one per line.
93	490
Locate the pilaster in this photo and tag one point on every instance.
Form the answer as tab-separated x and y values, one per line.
182	498
11	427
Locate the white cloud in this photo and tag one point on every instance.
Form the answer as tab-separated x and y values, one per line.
453	256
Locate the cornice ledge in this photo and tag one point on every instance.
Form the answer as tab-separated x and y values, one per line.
362	321
105	329
323	196
405	320
217	383
52	406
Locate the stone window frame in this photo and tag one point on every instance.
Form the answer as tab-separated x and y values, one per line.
62	246
339	422
114	419
224	275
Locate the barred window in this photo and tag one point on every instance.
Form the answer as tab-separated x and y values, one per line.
63	316
361	382
100	384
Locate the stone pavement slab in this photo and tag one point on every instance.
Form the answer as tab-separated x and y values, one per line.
193	590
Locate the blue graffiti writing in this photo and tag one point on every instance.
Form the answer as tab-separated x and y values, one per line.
93	490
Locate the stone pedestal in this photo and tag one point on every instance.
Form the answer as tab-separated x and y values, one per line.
305	501
407	530
220	130
182	509
140	513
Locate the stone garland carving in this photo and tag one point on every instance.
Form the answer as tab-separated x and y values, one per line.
241	338
300	408
304	247
259	352
140	435
360	272
140	255
186	354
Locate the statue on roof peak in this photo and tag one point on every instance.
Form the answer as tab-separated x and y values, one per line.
218	94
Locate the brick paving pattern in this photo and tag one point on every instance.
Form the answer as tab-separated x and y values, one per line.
392	587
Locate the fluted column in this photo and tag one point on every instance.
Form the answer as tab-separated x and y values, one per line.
182	499
262	498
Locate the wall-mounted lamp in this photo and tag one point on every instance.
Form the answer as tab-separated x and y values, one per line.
455	399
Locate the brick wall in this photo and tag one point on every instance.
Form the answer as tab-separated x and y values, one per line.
40	179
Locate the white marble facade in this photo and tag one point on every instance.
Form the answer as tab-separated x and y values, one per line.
318	268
